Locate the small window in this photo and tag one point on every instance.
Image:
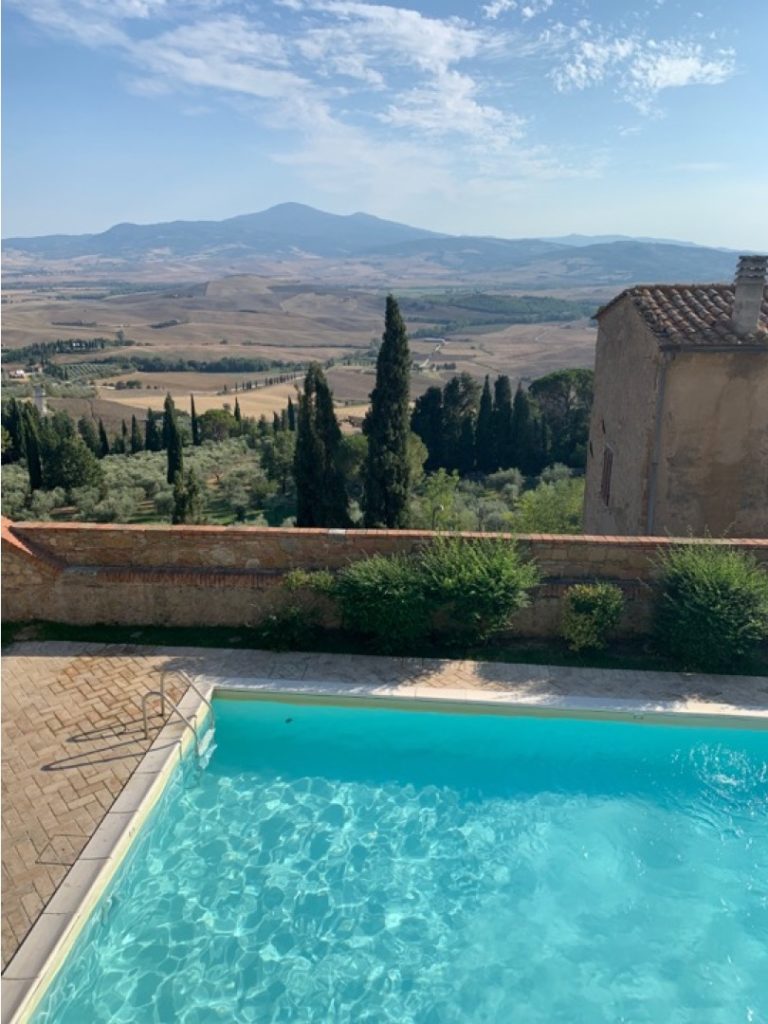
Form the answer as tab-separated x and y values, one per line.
605	482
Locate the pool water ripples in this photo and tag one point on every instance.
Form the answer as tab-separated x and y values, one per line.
358	866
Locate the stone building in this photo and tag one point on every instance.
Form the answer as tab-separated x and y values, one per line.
678	441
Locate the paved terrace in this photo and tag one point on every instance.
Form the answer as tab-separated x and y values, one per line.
72	731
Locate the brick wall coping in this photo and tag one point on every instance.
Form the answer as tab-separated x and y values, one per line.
10	528
46	561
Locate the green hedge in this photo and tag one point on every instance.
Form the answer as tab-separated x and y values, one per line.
713	608
592	611
457	590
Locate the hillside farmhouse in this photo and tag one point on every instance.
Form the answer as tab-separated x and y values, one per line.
679	430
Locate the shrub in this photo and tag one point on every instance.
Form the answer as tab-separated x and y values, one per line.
713	608
465	589
287	629
319	581
475	586
384	598
164	502
592	610
505	478
551	508
115	508
557	471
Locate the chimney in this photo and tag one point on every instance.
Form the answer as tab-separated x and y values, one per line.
748	294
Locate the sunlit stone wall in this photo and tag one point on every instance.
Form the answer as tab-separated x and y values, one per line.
208	575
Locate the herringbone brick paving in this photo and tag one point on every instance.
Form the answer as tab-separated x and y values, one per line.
72	735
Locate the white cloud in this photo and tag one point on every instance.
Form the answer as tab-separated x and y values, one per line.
403	36
638	67
497	7
92	26
674	64
534	8
448	106
230	55
529	10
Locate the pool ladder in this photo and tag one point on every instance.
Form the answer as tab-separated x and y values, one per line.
165	699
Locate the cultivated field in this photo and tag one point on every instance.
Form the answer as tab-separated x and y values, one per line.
250	317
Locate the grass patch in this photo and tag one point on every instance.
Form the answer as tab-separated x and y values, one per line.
637	654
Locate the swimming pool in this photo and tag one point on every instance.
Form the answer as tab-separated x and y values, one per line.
337	863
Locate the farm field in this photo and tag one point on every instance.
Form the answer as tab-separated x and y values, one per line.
351	388
255	318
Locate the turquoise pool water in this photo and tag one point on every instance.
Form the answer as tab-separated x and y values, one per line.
341	865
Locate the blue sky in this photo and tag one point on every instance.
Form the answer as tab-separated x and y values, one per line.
508	117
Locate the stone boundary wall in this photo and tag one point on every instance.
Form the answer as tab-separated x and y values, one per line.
83	573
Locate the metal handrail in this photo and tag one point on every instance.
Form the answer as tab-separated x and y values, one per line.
190	682
174	707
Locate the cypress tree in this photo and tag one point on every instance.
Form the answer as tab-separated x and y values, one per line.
173	442
87	430
153	442
238	416
262	426
539	444
485	439
187	498
427	422
335	500
502	422
524	457
169	418
32	449
320	491
291	415
136	442
275	422
307	459
14	424
467	446
103	441
459	403
387	425
195	423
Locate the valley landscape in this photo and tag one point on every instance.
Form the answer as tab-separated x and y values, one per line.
221	305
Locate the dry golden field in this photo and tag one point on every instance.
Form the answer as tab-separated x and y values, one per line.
246	316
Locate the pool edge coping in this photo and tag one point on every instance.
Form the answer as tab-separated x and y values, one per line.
49	941
54	933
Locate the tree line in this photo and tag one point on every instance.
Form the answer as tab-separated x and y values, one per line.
471	430
321	492
227	364
485	436
41	351
59	453
465	429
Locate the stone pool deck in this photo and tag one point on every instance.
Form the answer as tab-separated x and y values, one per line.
72	730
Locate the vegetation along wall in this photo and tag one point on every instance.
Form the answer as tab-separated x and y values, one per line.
208	575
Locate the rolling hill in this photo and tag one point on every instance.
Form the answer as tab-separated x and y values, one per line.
295	239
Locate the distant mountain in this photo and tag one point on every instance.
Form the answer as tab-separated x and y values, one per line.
293	232
580	240
537	263
281	230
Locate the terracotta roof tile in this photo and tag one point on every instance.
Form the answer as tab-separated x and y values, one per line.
691	314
